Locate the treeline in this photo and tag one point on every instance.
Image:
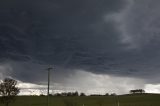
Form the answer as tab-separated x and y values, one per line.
76	93
79	94
67	94
137	91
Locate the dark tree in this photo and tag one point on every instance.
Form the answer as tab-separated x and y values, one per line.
107	94
137	91
113	94
8	90
75	93
82	94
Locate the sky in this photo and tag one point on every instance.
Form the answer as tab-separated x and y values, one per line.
93	46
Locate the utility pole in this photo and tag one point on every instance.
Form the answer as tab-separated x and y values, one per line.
48	69
117	101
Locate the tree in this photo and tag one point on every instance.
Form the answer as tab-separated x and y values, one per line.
82	94
75	93
107	94
113	94
137	91
8	90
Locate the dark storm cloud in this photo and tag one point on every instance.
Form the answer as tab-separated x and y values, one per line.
70	34
56	31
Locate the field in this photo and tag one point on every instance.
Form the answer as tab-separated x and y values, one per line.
124	100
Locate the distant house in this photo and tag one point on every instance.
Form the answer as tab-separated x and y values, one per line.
137	91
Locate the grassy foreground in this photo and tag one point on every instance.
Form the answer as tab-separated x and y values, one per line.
124	100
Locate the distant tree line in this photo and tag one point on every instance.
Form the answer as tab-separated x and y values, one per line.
79	94
67	94
137	91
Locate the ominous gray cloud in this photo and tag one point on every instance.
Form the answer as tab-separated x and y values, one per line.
118	37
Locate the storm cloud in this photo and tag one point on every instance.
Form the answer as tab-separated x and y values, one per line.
114	37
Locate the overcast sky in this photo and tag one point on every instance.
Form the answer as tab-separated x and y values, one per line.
95	46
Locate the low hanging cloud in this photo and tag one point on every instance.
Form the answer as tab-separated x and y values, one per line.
101	84
115	38
90	83
94	84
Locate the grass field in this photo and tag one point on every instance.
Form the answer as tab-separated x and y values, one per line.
124	100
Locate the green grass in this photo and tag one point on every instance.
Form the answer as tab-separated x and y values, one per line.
124	100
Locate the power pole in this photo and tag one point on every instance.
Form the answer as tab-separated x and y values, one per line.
117	101
48	69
